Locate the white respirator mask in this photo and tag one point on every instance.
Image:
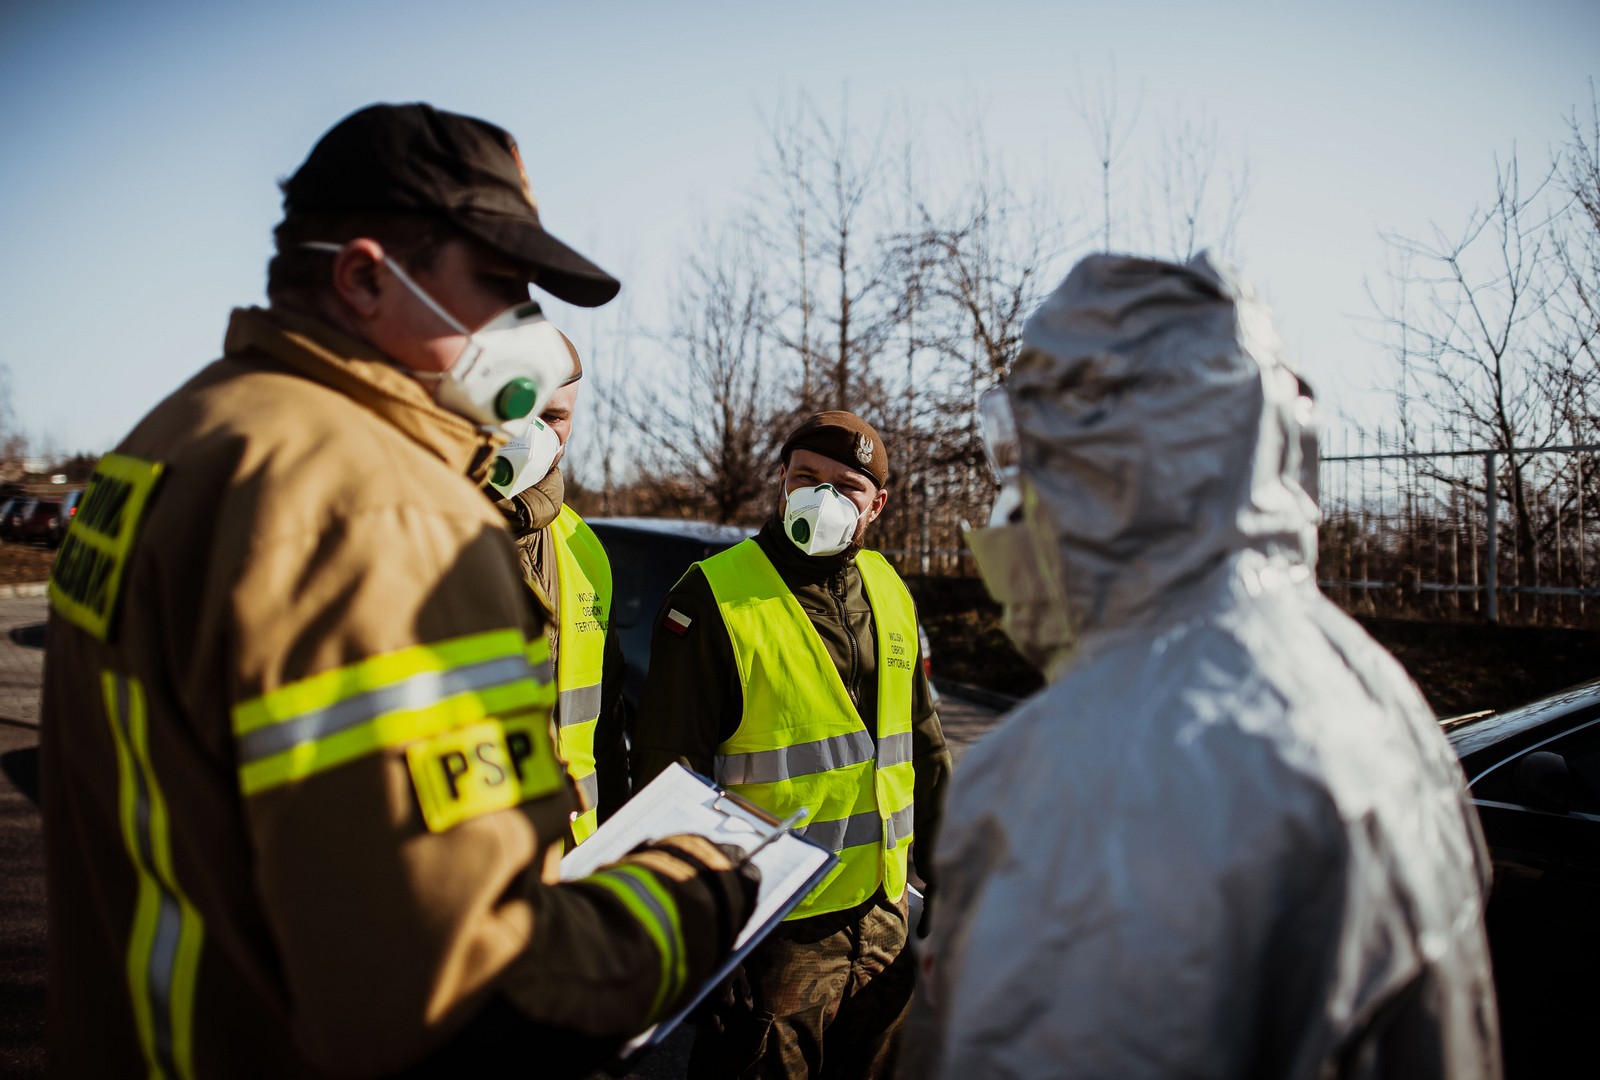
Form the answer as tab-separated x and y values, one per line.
526	459
1017	572
819	520
1018	565
508	368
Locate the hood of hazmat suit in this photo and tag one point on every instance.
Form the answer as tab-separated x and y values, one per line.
1229	839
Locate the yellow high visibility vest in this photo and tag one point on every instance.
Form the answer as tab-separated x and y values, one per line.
801	741
584	577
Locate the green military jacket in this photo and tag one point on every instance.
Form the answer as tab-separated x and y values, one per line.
528	517
692	699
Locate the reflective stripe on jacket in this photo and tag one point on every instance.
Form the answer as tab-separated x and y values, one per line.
801	742
301	797
584	577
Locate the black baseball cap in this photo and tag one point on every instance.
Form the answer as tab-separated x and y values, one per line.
420	159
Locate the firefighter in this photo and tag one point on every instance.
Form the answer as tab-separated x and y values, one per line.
302	808
789	668
566	566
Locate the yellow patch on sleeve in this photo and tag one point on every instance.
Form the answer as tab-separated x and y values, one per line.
476	770
86	580
533	755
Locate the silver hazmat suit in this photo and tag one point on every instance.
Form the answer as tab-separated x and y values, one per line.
1229	839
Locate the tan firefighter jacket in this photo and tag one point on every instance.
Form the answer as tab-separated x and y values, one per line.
302	806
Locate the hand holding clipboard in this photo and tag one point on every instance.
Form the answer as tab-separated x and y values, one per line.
680	801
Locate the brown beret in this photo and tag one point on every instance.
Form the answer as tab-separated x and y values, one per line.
844	437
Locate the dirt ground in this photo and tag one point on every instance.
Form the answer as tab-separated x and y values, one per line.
1461	667
1464	667
24	563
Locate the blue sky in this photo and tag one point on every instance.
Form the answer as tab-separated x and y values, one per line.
143	142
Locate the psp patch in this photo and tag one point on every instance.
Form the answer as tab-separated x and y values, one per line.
488	766
86	580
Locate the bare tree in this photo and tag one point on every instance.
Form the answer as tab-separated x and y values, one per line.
597	457
720	424
825	225
1199	199
1469	323
13	440
852	281
1108	132
1575	305
970	273
787	228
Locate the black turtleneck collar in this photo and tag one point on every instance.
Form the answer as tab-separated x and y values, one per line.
794	565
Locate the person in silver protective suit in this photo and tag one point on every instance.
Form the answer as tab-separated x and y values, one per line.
1228	838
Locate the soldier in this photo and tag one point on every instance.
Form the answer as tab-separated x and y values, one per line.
566	566
788	667
302	809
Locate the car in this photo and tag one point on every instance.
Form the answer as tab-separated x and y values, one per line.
69	510
19	511
6	506
648	556
41	522
1534	777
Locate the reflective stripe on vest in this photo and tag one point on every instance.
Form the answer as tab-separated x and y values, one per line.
801	741
583	575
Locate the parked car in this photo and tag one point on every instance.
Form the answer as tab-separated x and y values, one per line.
1534	776
6	506
648	556
41	522
17	513
69	510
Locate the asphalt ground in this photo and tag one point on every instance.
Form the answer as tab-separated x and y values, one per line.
22	886
22	959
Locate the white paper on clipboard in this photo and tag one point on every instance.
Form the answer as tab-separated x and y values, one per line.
679	801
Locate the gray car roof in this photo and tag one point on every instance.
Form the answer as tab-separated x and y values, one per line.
705	531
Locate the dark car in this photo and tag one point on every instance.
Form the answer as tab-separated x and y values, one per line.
1534	775
648	556
41	522
6	507
69	510
18	513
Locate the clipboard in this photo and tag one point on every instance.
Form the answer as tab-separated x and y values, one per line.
681	801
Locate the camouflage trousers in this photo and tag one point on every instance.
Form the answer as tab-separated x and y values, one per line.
821	997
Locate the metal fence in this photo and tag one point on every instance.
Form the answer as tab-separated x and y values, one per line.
1446	533
1503	536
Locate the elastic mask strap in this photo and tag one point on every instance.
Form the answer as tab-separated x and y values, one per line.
405	279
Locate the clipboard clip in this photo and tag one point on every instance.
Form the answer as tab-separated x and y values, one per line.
776	827
776	831
746	805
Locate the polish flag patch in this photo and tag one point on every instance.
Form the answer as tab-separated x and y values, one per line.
678	622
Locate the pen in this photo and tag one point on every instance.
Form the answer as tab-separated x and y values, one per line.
777	830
